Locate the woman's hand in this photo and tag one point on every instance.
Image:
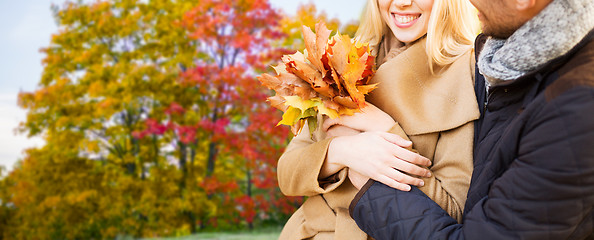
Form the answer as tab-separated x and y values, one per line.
357	179
369	119
378	155
363	145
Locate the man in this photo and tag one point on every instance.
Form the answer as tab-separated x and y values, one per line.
534	143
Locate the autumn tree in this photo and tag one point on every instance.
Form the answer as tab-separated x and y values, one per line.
153	120
111	66
234	38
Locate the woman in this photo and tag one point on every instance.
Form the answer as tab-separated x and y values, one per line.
424	54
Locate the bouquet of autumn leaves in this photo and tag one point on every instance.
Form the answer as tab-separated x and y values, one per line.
330	77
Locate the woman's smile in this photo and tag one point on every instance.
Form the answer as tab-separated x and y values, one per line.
404	20
408	20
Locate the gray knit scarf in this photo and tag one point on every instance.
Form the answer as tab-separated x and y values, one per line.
550	34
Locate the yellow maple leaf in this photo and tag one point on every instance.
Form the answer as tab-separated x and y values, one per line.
290	116
301	104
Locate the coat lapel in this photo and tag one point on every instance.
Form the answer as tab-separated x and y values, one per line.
422	102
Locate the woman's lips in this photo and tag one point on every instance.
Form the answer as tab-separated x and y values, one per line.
405	20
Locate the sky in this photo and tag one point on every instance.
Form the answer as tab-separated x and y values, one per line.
26	26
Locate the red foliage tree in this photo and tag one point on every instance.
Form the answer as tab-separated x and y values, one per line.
225	116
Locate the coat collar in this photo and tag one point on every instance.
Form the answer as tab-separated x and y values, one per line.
421	102
389	48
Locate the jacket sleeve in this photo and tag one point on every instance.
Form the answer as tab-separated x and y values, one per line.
547	192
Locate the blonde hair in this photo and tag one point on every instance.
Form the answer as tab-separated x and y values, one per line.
452	28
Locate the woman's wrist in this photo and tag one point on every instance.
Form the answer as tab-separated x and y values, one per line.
334	161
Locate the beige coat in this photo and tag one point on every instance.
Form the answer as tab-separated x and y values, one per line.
437	114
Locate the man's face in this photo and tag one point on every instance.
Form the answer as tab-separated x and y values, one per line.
499	18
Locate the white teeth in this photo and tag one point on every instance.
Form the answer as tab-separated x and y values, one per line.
405	19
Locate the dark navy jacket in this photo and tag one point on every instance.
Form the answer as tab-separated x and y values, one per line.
533	170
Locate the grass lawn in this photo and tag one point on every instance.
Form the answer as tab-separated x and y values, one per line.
256	234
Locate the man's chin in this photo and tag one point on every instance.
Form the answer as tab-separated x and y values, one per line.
503	31
498	34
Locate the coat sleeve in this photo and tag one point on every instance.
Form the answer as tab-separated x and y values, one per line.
546	193
300	165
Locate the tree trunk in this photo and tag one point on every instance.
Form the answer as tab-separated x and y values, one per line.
249	183
212	147
249	193
182	165
192	220
131	167
212	156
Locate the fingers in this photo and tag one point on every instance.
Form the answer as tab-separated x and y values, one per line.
410	168
395	139
392	183
403	178
329	122
410	157
402	153
398	180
